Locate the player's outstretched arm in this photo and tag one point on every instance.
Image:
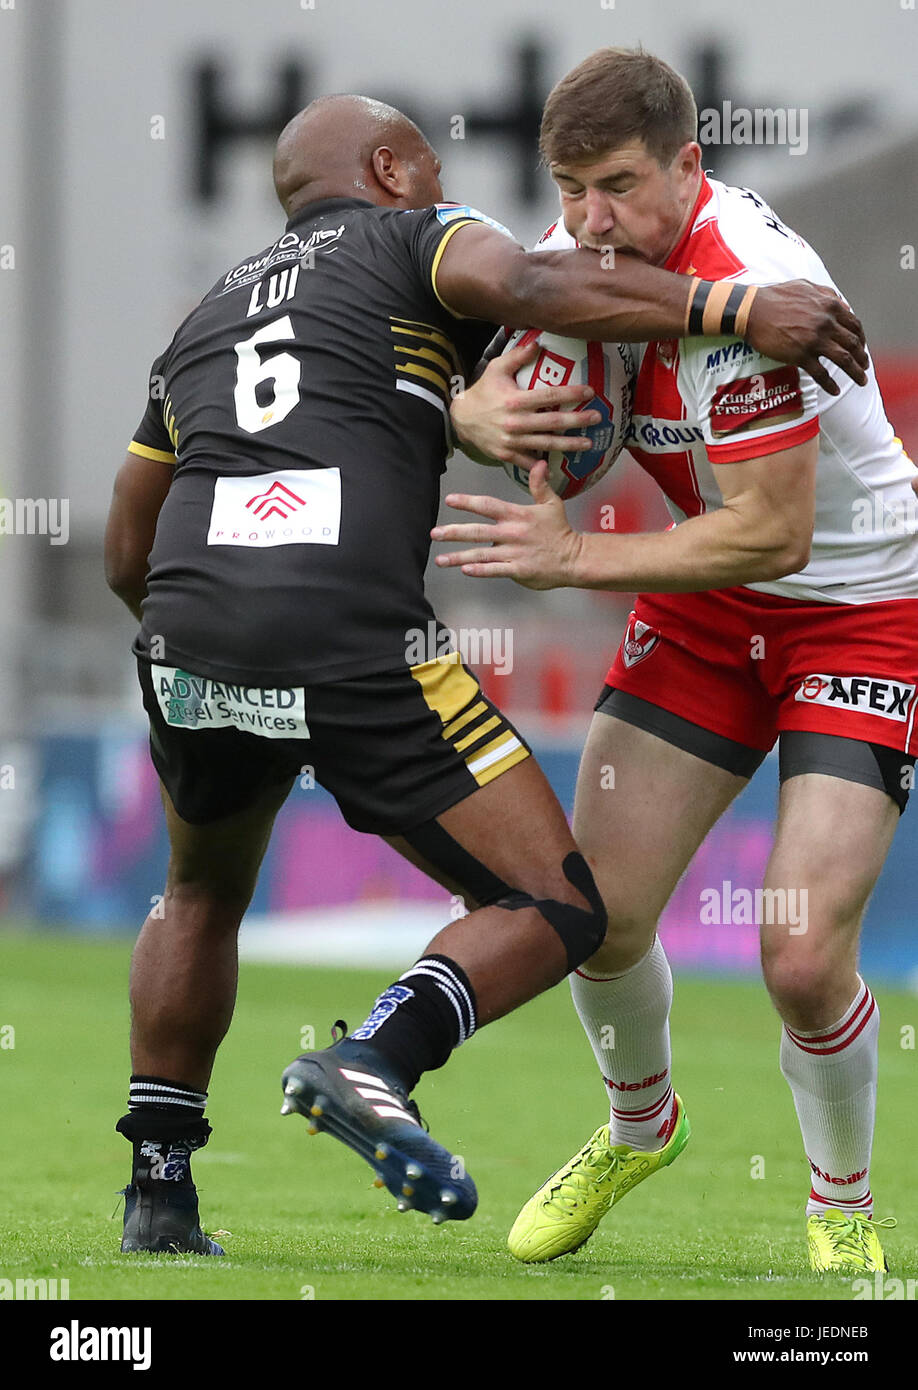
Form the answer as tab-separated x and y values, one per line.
140	491
763	531
585	294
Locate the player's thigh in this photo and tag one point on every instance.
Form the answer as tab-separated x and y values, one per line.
642	808
830	845
222	857
423	758
437	873
509	835
516	827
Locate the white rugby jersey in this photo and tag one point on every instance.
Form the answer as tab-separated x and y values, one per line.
698	400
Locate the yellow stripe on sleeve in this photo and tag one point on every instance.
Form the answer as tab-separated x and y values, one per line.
450	233
427	355
415	369
145	452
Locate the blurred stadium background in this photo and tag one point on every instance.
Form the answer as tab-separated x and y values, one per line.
135	167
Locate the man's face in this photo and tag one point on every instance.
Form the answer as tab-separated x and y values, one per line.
627	200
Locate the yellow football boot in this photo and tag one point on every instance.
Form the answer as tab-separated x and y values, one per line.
565	1212
840	1244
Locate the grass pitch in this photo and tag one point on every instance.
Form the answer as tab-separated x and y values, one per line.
522	1097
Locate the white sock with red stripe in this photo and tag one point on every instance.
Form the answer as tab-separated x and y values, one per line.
833	1079
626	1018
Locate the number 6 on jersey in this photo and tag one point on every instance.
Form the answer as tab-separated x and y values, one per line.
283	368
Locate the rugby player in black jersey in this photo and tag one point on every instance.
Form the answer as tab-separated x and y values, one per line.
269	529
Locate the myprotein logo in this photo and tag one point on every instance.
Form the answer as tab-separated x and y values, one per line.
751	402
888	699
295	506
724	357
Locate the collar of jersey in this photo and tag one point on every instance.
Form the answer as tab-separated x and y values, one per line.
322	205
705	193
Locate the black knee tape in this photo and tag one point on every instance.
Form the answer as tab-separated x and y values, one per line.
438	847
581	930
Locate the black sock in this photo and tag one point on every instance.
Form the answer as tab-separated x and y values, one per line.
418	1021
165	1123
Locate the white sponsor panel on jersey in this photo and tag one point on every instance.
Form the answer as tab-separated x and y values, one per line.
197	702
890	699
294	506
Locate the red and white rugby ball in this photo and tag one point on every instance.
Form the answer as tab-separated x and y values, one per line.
609	369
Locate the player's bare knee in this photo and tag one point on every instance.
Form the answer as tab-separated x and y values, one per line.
798	979
629	933
206	904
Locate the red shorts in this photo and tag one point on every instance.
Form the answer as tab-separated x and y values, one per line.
748	666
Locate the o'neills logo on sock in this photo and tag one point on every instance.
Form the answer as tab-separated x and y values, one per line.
636	1085
840	1182
76	1343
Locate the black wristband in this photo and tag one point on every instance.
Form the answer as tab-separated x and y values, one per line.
696	313
731	308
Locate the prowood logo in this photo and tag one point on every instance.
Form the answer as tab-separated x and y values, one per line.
293	506
278	501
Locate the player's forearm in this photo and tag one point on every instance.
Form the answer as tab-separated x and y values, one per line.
574	294
125	576
125	560
714	551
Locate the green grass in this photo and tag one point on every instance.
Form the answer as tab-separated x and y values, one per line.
516	1102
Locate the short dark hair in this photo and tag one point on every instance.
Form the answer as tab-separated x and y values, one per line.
617	95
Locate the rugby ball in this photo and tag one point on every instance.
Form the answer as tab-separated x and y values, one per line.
609	369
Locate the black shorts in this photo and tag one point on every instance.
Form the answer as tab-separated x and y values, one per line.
394	749
799	751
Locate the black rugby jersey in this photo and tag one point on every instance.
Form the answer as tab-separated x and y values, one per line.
306	402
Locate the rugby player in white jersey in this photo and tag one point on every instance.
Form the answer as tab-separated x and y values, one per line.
766	612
